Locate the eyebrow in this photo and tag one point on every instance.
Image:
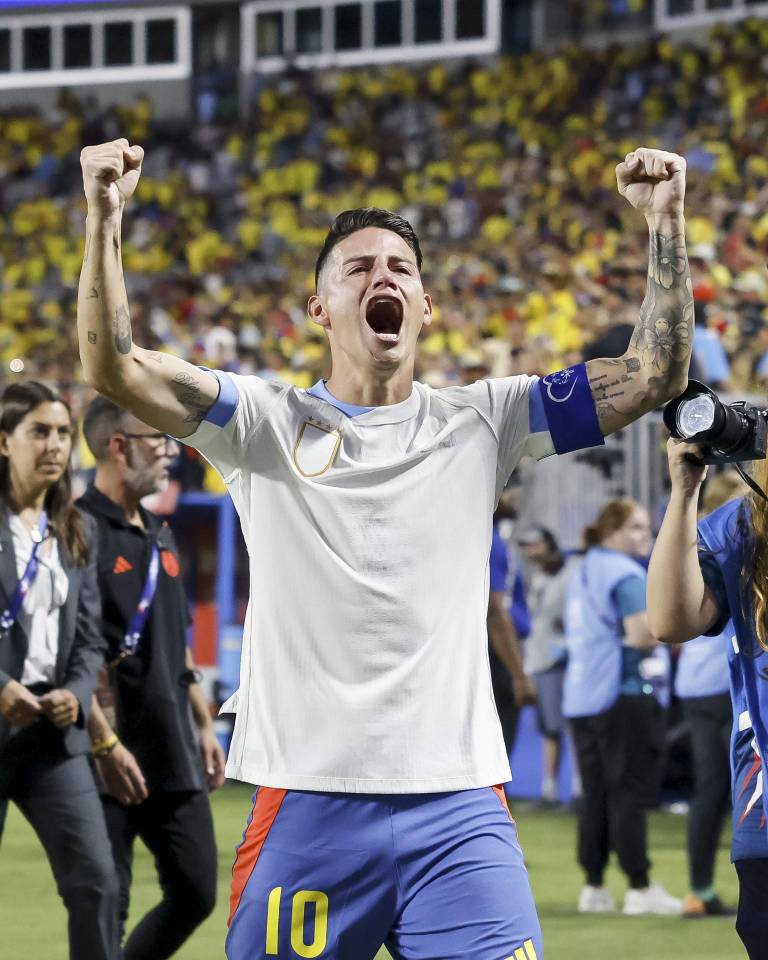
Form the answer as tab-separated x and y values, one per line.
369	258
51	426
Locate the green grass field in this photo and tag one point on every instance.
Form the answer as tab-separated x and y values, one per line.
32	920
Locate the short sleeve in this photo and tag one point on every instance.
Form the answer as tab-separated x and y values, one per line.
537	417
239	409
718	548
499	564
629	596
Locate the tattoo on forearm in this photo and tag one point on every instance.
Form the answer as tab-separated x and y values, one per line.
122	329
92	338
154	356
660	347
93	294
189	394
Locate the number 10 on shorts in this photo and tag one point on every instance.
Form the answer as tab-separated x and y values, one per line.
298	910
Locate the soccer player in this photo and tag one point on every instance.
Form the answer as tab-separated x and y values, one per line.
364	711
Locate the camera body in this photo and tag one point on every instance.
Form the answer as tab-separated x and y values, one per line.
727	433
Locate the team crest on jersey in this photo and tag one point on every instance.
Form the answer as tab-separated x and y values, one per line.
315	449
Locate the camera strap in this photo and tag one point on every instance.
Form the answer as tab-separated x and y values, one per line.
750	482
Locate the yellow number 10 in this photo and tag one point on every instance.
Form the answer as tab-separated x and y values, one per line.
300	900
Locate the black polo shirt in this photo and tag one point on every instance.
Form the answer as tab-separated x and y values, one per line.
151	687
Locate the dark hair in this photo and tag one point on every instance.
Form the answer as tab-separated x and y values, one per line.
102	418
17	401
350	221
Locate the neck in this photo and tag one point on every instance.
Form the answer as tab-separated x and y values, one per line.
113	486
364	390
26	499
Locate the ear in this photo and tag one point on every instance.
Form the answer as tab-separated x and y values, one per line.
117	447
427	310
317	313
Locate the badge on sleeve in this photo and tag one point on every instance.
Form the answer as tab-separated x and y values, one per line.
315	449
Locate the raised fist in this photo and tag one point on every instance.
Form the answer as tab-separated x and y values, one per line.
653	181
110	174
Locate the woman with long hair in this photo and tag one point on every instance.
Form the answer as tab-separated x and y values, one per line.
700	578
51	651
614	682
702	687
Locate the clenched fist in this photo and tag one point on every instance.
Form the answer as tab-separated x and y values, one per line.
110	174
653	181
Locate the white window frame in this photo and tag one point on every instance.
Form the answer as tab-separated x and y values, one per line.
58	76
700	16
368	54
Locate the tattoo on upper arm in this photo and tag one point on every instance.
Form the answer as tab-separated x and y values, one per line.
122	328
93	294
189	394
92	338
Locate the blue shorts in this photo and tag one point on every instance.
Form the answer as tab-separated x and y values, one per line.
335	876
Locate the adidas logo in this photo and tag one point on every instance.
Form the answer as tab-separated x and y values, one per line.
122	566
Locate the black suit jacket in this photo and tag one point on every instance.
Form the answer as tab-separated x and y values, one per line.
81	645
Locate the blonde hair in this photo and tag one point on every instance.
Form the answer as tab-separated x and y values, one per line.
755	571
611	518
723	487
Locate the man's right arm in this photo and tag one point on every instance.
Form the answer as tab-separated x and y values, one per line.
163	391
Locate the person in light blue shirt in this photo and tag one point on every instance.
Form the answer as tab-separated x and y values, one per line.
615	681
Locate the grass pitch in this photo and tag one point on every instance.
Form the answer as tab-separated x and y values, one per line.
33	921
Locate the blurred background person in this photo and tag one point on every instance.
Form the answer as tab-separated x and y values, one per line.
508	622
702	686
696	585
51	650
545	650
156	753
611	679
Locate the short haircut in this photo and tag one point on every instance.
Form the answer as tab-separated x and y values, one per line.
350	221
102	418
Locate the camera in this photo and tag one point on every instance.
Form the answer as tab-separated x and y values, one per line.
726	432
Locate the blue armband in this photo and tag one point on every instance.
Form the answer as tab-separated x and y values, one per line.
227	401
570	410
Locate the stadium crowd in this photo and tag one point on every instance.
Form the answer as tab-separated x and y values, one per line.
502	166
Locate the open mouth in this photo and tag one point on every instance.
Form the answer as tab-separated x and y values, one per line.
384	315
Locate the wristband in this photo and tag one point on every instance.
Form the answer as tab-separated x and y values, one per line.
102	748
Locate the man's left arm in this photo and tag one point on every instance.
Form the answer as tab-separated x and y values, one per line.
210	748
654	368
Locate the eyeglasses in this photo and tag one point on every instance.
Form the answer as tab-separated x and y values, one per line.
156	439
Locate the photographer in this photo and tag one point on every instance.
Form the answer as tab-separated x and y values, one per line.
695	585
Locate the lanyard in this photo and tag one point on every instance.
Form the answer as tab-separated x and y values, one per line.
131	639
11	614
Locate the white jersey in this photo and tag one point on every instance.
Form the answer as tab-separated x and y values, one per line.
365	657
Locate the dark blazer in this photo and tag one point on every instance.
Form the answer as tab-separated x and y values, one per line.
81	645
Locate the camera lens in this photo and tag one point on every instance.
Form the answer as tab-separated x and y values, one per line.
695	415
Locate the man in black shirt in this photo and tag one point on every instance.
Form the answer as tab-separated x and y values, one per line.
151	732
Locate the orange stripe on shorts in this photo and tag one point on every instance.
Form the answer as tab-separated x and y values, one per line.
265	809
499	791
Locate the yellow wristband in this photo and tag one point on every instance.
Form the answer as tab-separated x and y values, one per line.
103	747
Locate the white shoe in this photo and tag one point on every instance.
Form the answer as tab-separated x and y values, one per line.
595	900
652	899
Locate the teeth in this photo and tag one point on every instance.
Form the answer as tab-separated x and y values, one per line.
389	337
